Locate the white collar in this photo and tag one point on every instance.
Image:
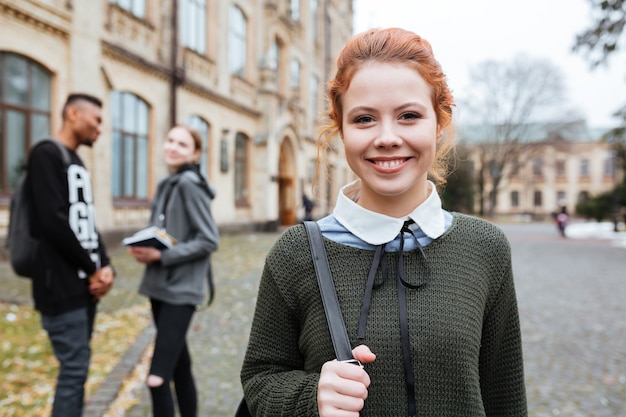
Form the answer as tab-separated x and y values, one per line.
376	228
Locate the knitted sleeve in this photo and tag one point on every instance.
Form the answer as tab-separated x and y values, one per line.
273	375
501	363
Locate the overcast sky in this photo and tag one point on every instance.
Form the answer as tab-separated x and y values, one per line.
466	32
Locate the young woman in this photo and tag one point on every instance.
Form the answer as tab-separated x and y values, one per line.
175	279
427	296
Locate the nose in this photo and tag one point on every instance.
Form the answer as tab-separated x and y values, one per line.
387	136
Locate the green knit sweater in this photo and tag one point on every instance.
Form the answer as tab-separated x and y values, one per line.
463	324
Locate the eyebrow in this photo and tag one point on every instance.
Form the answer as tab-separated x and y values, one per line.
368	109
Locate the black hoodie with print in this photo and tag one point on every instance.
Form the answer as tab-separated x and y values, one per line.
63	219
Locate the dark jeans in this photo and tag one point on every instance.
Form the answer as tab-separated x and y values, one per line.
69	334
171	360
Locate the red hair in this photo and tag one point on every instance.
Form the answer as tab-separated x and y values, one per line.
400	46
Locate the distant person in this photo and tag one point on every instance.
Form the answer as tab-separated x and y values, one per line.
309	205
561	221
175	279
427	296
73	271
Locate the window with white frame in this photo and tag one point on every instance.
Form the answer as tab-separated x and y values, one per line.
130	128
295	74
537	166
241	169
136	7
24	113
584	168
272	56
514	198
314	21
295	9
237	39
314	98
560	168
193	25
203	127
609	166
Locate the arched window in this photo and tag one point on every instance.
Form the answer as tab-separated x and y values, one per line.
241	170
204	128
237	39
24	113
130	146
193	25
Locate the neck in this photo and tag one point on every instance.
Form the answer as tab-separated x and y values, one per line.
67	138
393	206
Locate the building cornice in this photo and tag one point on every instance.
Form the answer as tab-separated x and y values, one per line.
42	17
120	54
220	99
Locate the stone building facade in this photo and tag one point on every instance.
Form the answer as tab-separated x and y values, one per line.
249	74
550	171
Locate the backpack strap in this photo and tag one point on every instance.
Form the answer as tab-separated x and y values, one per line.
336	325
65	153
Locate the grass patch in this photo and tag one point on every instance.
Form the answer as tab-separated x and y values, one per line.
28	367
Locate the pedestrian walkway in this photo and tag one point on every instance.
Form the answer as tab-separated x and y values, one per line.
571	300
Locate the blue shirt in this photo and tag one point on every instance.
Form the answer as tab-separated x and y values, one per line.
353	225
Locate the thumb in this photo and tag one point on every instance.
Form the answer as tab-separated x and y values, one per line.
363	354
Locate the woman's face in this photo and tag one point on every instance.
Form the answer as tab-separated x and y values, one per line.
179	148
390	135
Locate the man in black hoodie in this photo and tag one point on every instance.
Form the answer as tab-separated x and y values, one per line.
73	270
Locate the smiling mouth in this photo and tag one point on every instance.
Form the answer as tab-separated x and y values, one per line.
389	163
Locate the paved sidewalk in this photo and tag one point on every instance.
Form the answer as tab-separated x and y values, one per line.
572	310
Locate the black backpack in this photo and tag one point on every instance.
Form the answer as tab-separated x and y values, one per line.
22	246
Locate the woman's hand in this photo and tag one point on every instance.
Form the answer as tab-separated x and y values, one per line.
342	388
144	254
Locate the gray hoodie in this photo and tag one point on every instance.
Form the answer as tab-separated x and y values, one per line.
182	206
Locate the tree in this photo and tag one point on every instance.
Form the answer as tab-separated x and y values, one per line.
509	101
458	193
599	42
603	38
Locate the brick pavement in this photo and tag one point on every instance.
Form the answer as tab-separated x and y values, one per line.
572	309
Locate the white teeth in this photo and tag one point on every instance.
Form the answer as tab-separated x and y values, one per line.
389	164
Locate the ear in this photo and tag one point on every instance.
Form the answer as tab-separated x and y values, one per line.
72	112
196	156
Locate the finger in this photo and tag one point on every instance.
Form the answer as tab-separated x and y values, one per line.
363	354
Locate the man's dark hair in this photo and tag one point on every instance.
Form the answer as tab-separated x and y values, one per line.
74	97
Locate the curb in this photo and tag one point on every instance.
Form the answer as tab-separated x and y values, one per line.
100	401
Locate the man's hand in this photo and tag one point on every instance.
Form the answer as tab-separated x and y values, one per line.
100	282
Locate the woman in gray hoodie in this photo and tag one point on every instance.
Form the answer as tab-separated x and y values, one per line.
175	279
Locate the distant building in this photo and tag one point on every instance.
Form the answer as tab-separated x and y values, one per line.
250	75
556	166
